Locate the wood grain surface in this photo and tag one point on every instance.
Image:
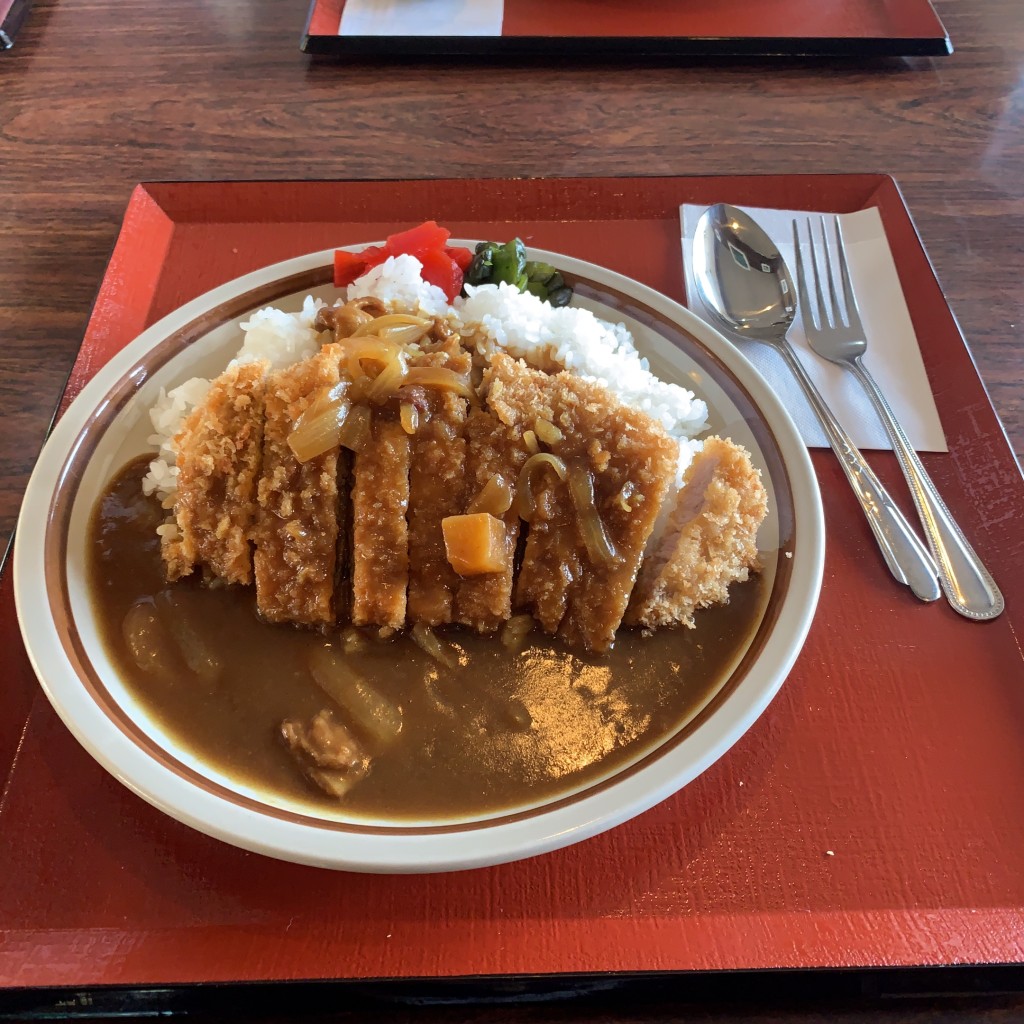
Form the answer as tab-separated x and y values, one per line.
100	95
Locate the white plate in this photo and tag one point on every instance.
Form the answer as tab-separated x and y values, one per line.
108	424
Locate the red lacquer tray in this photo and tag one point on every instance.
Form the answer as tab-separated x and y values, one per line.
872	817
667	28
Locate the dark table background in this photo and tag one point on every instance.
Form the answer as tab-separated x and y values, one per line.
100	94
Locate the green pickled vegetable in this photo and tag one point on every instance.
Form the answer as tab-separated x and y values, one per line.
540	273
479	270
509	262
497	262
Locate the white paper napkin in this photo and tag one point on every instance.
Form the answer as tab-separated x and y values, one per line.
422	18
893	355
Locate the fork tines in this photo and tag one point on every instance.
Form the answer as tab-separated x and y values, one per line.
839	307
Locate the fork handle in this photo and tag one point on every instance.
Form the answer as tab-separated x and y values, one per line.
907	558
966	582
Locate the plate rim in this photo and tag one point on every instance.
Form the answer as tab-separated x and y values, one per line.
407	853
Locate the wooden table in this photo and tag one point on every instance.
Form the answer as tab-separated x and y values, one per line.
98	95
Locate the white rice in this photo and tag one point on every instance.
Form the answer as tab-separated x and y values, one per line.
278	337
271	334
167	416
397	283
496	316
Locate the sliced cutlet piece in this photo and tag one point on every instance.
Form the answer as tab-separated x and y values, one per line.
551	563
380	532
629	461
218	459
633	464
492	449
709	542
436	482
297	527
343	560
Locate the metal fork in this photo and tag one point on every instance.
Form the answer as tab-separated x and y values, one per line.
833	327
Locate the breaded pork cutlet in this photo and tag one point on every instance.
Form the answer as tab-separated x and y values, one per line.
436	483
218	459
297	528
552	556
709	540
380	532
494	450
573	579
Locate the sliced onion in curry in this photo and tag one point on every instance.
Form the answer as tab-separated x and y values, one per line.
546	431
371	712
440	378
343	321
353	642
516	631
526	501
389	380
495	497
428	640
318	429
197	648
410	417
147	640
598	544
398	328
375	351
356	433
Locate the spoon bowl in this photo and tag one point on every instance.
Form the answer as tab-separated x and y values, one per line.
742	277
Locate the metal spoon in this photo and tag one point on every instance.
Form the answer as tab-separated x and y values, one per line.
745	285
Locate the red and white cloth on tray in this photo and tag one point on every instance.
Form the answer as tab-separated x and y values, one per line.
422	18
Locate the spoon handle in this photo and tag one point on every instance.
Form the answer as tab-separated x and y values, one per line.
966	582
907	558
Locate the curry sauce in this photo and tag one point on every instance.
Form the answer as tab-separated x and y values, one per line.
498	729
